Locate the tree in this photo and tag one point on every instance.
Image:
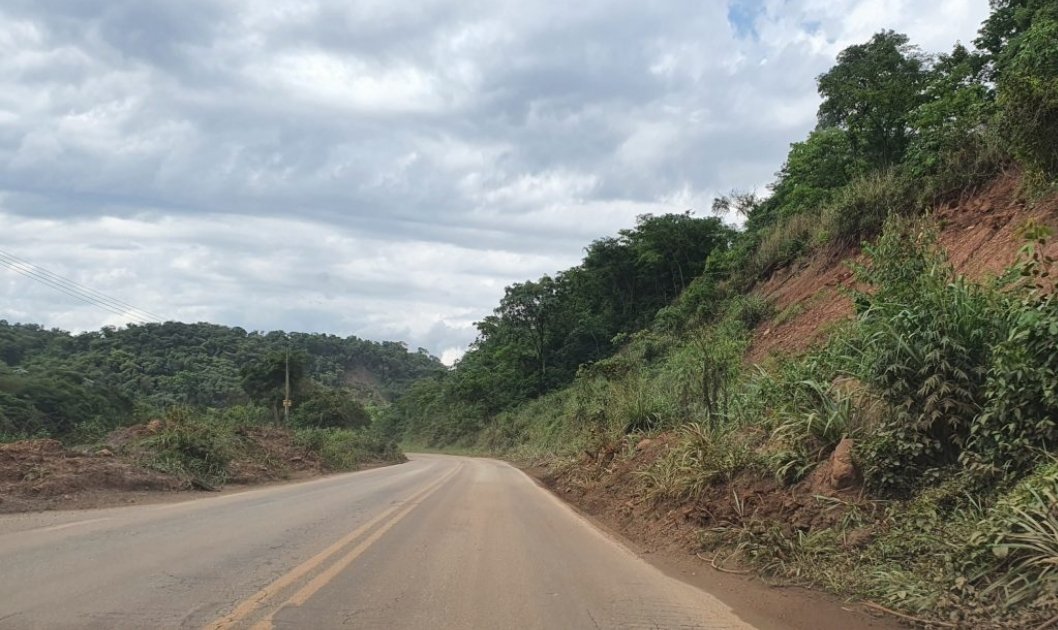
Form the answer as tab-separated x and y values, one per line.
264	381
530	310
1028	94
949	125
1007	22
870	92
331	408
814	170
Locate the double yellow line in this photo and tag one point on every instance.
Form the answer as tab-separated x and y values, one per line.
264	597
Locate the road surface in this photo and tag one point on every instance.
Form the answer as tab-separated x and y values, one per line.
439	542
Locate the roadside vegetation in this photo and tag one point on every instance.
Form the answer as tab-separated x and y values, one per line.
910	458
199	404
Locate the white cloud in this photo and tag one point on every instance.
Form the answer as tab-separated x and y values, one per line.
384	169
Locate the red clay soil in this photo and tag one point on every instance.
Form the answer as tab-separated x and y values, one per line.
608	492
44	474
980	235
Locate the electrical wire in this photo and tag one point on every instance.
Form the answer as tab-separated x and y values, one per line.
75	290
79	288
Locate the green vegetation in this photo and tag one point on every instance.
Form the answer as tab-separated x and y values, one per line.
79	387
544	331
208	449
940	393
203	403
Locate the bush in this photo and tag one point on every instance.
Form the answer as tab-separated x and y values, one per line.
701	457
809	426
344	449
1021	415
1028	96
194	451
1021	539
861	208
784	242
925	343
333	408
749	310
696	304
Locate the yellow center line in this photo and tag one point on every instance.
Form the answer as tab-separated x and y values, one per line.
261	597
322	579
55	528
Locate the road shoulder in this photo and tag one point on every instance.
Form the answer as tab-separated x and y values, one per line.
666	546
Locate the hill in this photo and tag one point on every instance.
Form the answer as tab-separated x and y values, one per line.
81	386
854	388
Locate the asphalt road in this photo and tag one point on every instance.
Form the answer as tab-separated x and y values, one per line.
439	542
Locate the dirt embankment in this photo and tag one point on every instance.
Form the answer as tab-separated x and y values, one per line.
44	474
980	235
608	491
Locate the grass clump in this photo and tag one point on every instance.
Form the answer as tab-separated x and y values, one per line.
207	450
702	456
347	449
197	452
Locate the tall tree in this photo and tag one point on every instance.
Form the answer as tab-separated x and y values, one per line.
870	93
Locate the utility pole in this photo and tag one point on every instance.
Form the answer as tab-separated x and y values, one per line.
286	396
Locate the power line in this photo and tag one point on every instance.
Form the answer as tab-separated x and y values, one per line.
70	291
80	288
75	290
62	289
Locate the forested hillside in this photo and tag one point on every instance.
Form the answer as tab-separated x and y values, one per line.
904	454
80	386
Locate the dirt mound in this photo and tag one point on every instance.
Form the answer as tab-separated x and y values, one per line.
45	473
819	501
980	235
272	454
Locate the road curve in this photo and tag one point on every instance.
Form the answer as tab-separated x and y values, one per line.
439	542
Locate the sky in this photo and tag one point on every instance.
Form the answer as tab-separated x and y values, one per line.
384	169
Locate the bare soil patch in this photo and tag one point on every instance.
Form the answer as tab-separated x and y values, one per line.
981	235
45	475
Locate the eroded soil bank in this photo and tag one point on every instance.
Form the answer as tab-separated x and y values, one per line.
126	468
668	538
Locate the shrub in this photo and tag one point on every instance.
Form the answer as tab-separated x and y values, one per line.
861	208
925	344
344	449
809	426
638	405
701	457
336	408
194	451
1021	415
749	310
1028	95
1014	554
784	242
696	304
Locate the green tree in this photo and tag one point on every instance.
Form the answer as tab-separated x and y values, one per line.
814	170
1028	94
870	93
264	381
331	408
1007	22
952	119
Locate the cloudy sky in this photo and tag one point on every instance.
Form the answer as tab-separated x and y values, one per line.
385	168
